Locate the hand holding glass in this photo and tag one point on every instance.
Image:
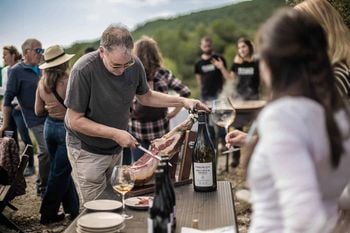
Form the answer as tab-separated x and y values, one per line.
224	114
122	181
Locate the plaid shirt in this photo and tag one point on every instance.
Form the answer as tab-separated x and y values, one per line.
149	130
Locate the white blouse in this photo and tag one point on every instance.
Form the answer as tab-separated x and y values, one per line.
293	185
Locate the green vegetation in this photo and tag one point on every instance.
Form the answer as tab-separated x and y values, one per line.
179	37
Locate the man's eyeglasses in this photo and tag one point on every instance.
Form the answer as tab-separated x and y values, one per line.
39	50
125	66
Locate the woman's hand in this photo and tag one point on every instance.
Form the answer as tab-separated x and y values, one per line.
235	138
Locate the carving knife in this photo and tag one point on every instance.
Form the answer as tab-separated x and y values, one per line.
151	154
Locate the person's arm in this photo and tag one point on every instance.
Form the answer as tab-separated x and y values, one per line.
199	79
39	103
219	64
10	93
6	114
173	112
78	122
161	100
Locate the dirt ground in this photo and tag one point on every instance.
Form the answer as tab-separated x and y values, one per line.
27	217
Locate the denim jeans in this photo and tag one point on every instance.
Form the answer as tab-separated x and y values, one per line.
16	114
43	157
60	186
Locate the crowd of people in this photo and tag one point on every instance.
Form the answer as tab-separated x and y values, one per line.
298	171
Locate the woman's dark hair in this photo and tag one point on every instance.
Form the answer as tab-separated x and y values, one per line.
53	74
13	50
147	50
294	47
248	43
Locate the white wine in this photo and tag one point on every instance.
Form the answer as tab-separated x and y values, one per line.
123	188
224	117
203	158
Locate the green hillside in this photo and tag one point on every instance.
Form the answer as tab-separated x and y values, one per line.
248	15
179	37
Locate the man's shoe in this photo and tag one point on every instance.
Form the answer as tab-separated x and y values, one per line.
52	219
29	171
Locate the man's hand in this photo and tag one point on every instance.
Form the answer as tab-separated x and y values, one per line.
124	139
192	104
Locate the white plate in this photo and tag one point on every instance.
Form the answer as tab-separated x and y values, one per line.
103	205
107	230
100	230
141	202
100	220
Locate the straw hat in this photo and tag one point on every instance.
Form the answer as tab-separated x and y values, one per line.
54	56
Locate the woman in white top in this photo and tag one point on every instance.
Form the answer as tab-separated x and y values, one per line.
300	164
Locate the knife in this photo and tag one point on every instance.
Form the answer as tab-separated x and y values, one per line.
151	154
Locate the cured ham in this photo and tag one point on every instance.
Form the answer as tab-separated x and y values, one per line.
169	144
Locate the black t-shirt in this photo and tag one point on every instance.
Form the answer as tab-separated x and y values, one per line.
247	74
211	78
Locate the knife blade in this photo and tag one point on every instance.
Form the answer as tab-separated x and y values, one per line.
151	154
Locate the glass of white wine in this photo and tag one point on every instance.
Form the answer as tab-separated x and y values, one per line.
122	181
223	114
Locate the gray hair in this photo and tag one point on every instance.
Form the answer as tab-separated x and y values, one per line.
116	35
28	44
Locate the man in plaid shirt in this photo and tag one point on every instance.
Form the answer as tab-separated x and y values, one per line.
148	123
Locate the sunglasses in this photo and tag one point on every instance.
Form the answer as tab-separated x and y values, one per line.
39	50
125	66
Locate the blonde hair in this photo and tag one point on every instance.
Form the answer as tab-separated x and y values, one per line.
338	34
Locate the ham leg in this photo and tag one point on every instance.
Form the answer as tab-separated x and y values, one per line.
169	144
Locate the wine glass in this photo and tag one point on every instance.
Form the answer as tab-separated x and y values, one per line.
224	114
122	181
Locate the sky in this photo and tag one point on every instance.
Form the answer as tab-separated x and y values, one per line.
64	22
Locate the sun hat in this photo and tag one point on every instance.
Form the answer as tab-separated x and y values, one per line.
54	56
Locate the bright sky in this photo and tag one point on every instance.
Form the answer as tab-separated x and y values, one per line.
66	21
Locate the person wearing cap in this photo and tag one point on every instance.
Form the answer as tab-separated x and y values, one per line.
22	82
49	102
100	93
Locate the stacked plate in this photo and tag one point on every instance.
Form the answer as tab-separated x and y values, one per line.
100	222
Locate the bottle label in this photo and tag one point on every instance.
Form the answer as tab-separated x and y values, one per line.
149	225
203	174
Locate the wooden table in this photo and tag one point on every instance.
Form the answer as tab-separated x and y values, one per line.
212	209
246	111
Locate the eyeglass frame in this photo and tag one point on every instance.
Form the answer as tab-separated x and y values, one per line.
130	63
39	51
124	66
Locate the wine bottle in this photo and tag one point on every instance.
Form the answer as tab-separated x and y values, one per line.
159	213
164	164
203	158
